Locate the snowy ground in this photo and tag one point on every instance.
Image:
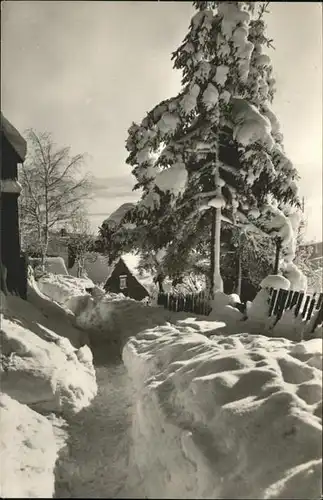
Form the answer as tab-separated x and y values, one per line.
236	416
230	417
28	452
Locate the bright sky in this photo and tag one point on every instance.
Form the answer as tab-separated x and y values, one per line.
84	70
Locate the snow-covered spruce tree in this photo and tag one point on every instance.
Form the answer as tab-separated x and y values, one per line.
216	144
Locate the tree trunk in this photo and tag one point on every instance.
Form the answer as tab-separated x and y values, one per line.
160	281
80	267
217	279
277	256
210	285
44	248
239	273
46	230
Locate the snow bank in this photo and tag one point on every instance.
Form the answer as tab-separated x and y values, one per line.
41	368
223	308
116	317
28	450
231	417
41	309
64	288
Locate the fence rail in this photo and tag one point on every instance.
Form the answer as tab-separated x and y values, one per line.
279	302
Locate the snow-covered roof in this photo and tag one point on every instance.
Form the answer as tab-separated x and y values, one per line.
132	260
14	138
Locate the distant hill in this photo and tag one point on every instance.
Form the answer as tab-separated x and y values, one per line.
118	214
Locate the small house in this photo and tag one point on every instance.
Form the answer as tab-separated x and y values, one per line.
124	277
13	266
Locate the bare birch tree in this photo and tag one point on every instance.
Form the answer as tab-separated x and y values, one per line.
53	189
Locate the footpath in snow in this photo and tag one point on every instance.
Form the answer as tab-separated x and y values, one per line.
95	463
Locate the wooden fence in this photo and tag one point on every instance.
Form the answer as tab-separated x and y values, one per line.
280	301
306	305
197	303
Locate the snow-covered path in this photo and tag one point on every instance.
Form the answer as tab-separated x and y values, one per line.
96	465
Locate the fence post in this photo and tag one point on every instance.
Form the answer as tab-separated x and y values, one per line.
272	302
294	300
305	306
319	318
310	309
289	299
281	306
299	303
320	301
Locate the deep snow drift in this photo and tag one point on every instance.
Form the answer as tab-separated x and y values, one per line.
40	372
64	288
231	417
28	452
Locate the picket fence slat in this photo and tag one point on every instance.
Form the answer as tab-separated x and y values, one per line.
294	299
307	301
281	305
311	309
320	301
289	299
272	302
319	317
299	303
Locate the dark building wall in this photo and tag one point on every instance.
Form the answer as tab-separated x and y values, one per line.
9	229
134	289
10	244
9	160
